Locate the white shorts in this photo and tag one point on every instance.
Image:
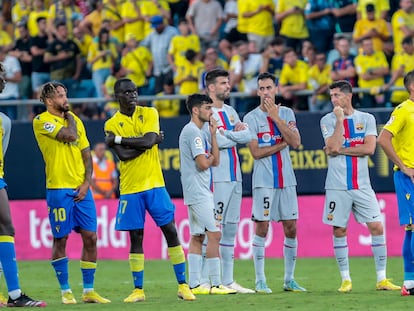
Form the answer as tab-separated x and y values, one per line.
340	203
201	218
227	201
275	204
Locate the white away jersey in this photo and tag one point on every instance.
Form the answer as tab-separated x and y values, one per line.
197	184
349	172
274	171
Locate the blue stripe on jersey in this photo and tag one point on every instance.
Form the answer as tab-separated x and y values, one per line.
275	171
349	128
230	151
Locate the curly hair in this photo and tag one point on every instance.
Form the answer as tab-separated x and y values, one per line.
49	89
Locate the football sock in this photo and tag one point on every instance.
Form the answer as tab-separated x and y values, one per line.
194	269
213	266
258	257
177	258
290	251
228	233
341	255
62	273
379	249
204	279
408	260
136	264
88	269
8	259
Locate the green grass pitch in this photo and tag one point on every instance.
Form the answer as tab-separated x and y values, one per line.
319	275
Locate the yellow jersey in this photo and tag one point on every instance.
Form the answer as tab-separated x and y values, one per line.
64	163
363	26
189	69
380	6
261	23
292	26
5	38
112	14
84	44
401	125
95	18
294	75
129	10
363	63
401	60
143	172
180	44
242	22
138	61
401	18
102	63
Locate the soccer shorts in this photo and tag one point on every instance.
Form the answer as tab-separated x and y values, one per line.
66	215
227	201
404	189
275	204
132	208
340	203
201	218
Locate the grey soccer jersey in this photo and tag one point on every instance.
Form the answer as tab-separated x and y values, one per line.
196	183
227	139
349	172
274	171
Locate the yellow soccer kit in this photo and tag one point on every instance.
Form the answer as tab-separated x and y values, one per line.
399	19
262	23
294	75
143	172
292	26
180	44
64	163
401	125
401	60
363	63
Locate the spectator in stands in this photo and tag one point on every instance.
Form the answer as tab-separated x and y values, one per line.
37	11
308	52
112	106
64	58
111	15
149	9
293	78
244	70
273	58
133	19
343	68
371	27
40	70
402	63
402	23
104	183
188	74
13	75
101	57
381	8
321	24
205	18
167	108
20	13
5	39
345	15
319	82
371	68
259	18
158	43
63	11
214	56
290	16
137	64
21	51
178	8
181	43
230	15
92	23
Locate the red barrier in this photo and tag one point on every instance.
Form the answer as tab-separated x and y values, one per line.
34	239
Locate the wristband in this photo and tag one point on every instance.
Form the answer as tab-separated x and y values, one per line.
118	140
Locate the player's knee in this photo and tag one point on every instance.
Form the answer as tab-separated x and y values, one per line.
376	228
170	233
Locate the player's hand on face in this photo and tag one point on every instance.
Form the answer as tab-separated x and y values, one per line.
339	112
212	125
110	139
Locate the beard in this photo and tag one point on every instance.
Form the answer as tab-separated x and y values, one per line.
223	96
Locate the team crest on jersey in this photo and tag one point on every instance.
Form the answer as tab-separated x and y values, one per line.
198	143
408	196
231	119
329	217
49	127
390	120
121	124
359	126
267	137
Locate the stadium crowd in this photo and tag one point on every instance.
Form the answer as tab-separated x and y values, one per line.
166	47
